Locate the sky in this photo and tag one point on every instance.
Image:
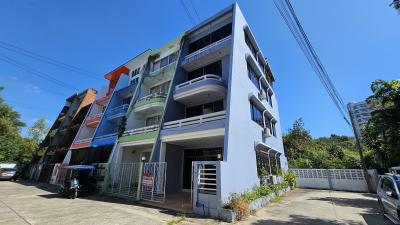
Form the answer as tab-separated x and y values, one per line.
357	41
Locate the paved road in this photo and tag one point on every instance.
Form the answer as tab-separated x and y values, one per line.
35	203
320	207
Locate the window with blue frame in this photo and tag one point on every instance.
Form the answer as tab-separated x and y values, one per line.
256	114
253	76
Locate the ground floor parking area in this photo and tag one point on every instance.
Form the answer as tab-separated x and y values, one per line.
35	203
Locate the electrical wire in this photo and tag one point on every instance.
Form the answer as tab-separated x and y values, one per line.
288	14
35	72
46	59
188	14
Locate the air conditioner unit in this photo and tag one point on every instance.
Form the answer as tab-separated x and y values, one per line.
273	179
266	132
262	95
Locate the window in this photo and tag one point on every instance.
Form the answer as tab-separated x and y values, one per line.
250	45
160	89
253	76
256	114
134	80
213	68
135	72
204	109
211	38
387	185
154	120
164	61
126	101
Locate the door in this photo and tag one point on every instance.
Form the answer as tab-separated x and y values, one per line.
389	202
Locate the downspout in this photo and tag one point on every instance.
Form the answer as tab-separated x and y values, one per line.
269	162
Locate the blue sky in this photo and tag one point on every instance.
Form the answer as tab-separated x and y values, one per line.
356	40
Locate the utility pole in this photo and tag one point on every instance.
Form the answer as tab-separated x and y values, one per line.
360	151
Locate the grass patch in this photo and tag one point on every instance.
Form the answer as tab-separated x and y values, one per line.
178	220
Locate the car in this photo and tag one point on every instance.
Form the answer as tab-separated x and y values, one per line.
389	196
8	173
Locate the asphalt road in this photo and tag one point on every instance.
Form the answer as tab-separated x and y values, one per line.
35	203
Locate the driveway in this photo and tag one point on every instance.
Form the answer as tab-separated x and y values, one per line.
36	203
312	207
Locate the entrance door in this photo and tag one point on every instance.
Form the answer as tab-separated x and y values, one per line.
191	155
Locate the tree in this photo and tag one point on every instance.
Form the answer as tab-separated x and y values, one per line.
37	132
303	151
296	140
382	132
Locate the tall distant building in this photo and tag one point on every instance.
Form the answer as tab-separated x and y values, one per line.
361	114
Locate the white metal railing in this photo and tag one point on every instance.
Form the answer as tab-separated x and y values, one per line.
207	47
123	179
121	107
196	120
206	177
141	130
85	140
107	135
205	77
150	96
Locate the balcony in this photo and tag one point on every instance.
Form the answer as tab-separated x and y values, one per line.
117	112
127	91
207	125
103	100
203	89
93	121
150	104
82	143
207	54
140	134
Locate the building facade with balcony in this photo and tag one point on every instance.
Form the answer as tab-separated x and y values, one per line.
206	108
81	151
114	116
64	129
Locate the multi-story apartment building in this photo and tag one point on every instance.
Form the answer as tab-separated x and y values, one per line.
205	116
64	129
361	113
81	150
194	120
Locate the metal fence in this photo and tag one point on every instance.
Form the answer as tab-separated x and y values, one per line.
334	179
123	179
153	182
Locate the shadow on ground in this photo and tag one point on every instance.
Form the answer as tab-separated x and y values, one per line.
370	205
54	194
303	220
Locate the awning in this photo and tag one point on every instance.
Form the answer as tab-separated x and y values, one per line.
81	167
260	146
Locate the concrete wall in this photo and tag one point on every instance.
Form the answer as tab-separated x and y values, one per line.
239	170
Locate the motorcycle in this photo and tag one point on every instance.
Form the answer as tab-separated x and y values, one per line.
78	180
70	188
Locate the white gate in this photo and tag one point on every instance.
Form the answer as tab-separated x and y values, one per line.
334	179
153	181
123	180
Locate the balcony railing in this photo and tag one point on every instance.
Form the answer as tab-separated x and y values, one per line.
196	80
117	111
141	130
150	99
82	141
209	48
196	120
92	120
106	136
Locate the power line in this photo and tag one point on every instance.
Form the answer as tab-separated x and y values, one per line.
194	9
187	12
288	14
35	72
46	59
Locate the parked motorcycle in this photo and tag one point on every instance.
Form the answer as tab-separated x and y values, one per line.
70	188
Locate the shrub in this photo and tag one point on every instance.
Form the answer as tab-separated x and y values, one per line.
251	196
240	205
290	178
